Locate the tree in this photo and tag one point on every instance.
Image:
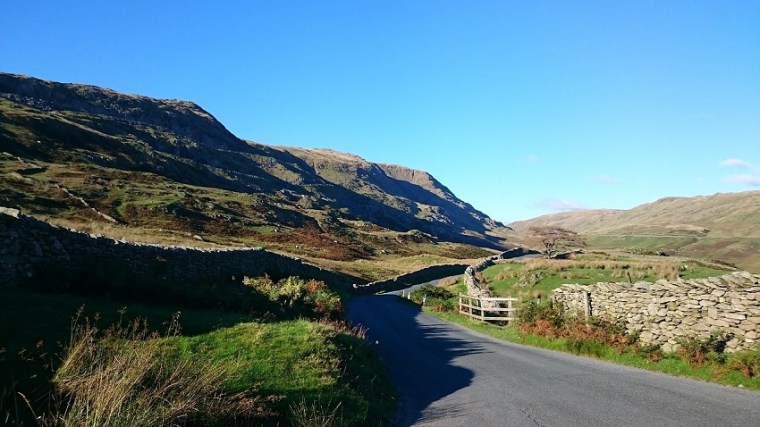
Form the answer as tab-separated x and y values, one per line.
554	239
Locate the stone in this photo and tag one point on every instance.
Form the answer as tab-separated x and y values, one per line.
735	316
652	309
10	212
718	323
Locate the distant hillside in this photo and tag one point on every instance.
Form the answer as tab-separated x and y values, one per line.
167	169
722	226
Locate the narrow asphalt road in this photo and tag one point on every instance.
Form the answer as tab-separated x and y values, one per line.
450	376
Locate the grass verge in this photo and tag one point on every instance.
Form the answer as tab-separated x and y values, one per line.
724	369
223	369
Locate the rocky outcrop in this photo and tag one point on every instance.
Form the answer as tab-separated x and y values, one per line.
666	311
80	126
182	118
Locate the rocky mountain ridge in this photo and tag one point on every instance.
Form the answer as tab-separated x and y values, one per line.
154	164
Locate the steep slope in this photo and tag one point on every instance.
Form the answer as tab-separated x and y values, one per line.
88	156
722	226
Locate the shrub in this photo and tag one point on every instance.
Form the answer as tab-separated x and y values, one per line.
299	297
542	317
746	362
436	298
651	352
592	336
695	351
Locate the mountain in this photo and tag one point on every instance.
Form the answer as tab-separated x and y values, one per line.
131	165
723	226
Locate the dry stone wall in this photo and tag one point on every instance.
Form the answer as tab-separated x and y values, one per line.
474	288
435	272
664	312
426	274
32	251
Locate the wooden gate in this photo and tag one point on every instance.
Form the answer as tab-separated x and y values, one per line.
495	306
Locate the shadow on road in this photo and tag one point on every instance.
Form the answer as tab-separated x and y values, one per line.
420	353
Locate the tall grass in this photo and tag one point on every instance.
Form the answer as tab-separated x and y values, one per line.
124	378
228	370
315	414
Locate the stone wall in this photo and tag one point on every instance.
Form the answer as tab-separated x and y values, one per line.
32	251
664	312
423	275
435	272
474	288
516	253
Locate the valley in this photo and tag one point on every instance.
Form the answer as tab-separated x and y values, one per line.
109	198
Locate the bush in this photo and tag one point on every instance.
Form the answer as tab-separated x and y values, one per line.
541	318
592	336
651	352
298	297
696	351
746	362
436	298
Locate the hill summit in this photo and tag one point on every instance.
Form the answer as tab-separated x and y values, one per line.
724	226
91	157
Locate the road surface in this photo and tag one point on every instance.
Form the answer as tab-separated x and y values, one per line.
447	375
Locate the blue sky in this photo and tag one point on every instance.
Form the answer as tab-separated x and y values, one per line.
521	108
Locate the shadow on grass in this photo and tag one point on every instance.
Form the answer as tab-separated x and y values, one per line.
37	324
419	352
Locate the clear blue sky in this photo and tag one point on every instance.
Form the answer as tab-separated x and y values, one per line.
520	107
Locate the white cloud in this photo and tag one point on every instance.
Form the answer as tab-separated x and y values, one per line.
736	163
561	205
744	179
606	179
532	158
751	178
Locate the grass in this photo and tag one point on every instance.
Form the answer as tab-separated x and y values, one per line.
538	277
386	266
279	369
738	250
154	209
